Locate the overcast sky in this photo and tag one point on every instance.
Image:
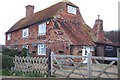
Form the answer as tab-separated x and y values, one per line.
13	10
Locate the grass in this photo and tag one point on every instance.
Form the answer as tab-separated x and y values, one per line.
7	72
0	72
35	75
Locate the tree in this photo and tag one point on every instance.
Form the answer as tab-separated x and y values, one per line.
113	36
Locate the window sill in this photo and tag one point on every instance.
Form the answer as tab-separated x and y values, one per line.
25	37
43	37
41	54
41	34
9	40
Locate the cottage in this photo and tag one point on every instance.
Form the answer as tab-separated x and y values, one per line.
59	27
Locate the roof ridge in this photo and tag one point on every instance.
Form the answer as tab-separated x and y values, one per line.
39	16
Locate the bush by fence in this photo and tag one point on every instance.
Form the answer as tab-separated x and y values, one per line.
7	61
10	52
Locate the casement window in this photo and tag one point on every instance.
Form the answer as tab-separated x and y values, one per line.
25	33
109	48
41	49
8	36
25	46
42	29
71	9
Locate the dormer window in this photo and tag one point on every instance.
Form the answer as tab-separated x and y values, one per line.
71	9
42	29
25	33
8	36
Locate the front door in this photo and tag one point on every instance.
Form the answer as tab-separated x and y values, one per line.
85	52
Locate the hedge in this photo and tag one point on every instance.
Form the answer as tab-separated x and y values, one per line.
7	61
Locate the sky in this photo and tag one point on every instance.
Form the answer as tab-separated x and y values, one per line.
13	10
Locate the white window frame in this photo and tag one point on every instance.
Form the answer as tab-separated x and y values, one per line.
71	9
25	33
8	36
42	29
40	47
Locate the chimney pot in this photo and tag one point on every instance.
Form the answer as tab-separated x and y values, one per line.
29	10
98	16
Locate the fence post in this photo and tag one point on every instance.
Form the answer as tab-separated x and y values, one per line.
118	62
52	53
49	62
89	64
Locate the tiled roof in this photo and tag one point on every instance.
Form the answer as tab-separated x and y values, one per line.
79	35
38	16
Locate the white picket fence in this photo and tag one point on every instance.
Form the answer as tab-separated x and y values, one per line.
31	64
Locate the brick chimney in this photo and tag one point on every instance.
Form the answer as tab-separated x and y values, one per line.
29	10
97	30
66	1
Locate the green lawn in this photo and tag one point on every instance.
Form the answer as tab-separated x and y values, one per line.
6	72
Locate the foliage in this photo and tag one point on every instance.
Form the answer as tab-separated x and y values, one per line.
113	35
35	75
13	52
6	72
7	61
1	72
24	52
10	52
56	25
18	73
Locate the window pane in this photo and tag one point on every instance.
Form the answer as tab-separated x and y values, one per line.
42	29
42	49
25	46
8	36
71	9
25	33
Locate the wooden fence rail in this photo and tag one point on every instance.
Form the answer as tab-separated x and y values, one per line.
31	64
64	65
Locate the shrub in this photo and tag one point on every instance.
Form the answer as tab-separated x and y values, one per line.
6	72
24	52
18	73
7	61
10	52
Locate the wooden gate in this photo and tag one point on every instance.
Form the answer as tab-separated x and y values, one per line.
65	66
